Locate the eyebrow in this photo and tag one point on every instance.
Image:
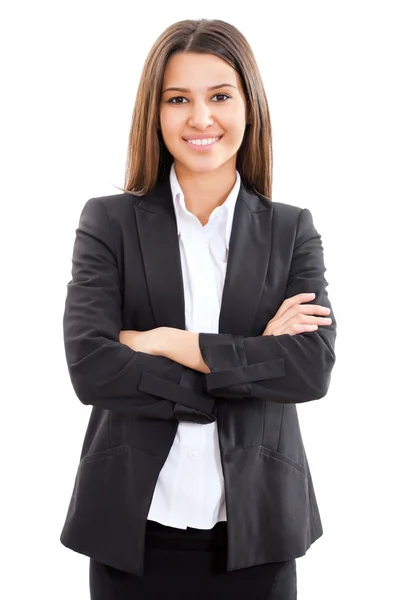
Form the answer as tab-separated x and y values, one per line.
186	90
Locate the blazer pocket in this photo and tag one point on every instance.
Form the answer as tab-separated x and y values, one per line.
104	453
282	458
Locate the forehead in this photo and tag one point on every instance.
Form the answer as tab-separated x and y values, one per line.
197	71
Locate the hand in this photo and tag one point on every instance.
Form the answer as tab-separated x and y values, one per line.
293	317
142	341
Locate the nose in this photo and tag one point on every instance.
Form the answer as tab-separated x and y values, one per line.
201	116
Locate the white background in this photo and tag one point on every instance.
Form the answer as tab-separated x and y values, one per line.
69	77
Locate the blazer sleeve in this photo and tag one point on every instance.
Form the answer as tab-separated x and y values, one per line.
103	371
284	368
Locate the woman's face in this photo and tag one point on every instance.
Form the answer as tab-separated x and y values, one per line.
196	111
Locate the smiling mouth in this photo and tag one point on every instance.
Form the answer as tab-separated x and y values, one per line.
203	143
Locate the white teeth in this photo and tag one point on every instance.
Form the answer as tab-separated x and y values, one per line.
204	142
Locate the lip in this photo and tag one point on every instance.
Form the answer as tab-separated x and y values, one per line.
201	148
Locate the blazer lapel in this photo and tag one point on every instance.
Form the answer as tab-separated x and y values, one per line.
248	259
160	251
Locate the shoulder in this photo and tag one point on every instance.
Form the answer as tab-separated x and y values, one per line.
282	212
296	219
120	207
257	203
115	211
289	221
116	206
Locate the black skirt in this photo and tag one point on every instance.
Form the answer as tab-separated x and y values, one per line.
190	564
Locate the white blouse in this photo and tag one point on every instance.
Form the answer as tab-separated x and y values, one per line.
190	488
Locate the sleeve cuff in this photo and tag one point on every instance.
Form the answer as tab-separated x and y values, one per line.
157	386
270	369
226	357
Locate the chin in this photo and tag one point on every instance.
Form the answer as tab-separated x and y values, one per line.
203	163
202	167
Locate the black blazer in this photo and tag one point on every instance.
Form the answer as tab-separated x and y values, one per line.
126	274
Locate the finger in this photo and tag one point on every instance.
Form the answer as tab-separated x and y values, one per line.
302	314
297	299
307	323
305	309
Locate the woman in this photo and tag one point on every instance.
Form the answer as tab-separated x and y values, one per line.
196	318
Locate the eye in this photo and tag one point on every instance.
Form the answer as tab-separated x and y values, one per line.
226	95
171	100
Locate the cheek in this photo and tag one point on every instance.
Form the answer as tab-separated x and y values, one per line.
233	123
171	124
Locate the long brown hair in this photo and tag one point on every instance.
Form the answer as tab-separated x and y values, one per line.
148	158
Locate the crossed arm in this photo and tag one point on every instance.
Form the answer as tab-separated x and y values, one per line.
176	374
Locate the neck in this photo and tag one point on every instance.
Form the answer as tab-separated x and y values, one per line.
204	191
